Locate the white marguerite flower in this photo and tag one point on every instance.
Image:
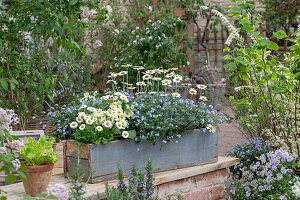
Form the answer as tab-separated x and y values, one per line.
89	121
203	98
74	125
87	117
124	98
201	87
113	106
210	128
125	134
107	124
121	73
141	83
166	82
118	93
82	127
146	77
91	109
176	94
127	114
120	111
177	79
79	119
119	125
170	75
192	91
86	94
99	128
83	106
164	70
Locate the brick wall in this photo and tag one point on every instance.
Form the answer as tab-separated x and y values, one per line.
207	186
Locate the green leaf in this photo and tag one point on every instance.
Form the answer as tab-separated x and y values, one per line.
280	34
65	75
73	2
41	195
22	176
132	134
51	197
273	46
28	197
11	178
4	83
3	198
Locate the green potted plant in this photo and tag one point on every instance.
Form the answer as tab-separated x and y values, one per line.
39	158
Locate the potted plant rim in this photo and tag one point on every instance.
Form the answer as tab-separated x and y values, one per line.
39	158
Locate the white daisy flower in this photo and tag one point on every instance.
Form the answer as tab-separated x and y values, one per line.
203	98
146	77
176	94
138	67
106	97
125	134
140	83
177	79
83	106
99	128
113	107
86	94
166	82
91	109
107	124
82	127
119	125
118	93
81	114
131	88
201	87
87	117
121	73
89	121
150	71
124	98
74	125
122	117
210	128
127	65
192	91
170	75
173	68
79	119
164	70
124	123
157	79
120	111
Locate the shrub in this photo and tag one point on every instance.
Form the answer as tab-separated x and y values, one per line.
270	177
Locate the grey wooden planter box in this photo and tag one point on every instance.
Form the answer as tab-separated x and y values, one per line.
194	148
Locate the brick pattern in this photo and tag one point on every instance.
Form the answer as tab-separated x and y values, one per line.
208	186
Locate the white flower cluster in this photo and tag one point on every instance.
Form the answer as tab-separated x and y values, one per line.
296	188
115	115
7	119
234	32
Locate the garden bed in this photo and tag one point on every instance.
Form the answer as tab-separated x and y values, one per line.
194	148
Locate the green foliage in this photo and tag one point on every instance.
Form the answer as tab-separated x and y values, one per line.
36	153
141	35
7	158
32	31
266	101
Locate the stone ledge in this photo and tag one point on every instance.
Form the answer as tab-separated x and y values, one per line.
160	178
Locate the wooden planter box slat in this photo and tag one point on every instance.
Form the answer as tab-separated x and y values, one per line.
194	148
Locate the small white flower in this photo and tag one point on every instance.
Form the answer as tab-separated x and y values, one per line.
89	121
79	119
83	106
210	128
125	134
119	125
81	114
176	94
177	79
124	98
82	126
140	83
99	128
203	98
74	125
108	124
192	91
170	75
166	82
201	87
146	77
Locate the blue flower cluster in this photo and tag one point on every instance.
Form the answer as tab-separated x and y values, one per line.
168	117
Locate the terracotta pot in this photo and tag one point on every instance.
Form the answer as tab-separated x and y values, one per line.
38	179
